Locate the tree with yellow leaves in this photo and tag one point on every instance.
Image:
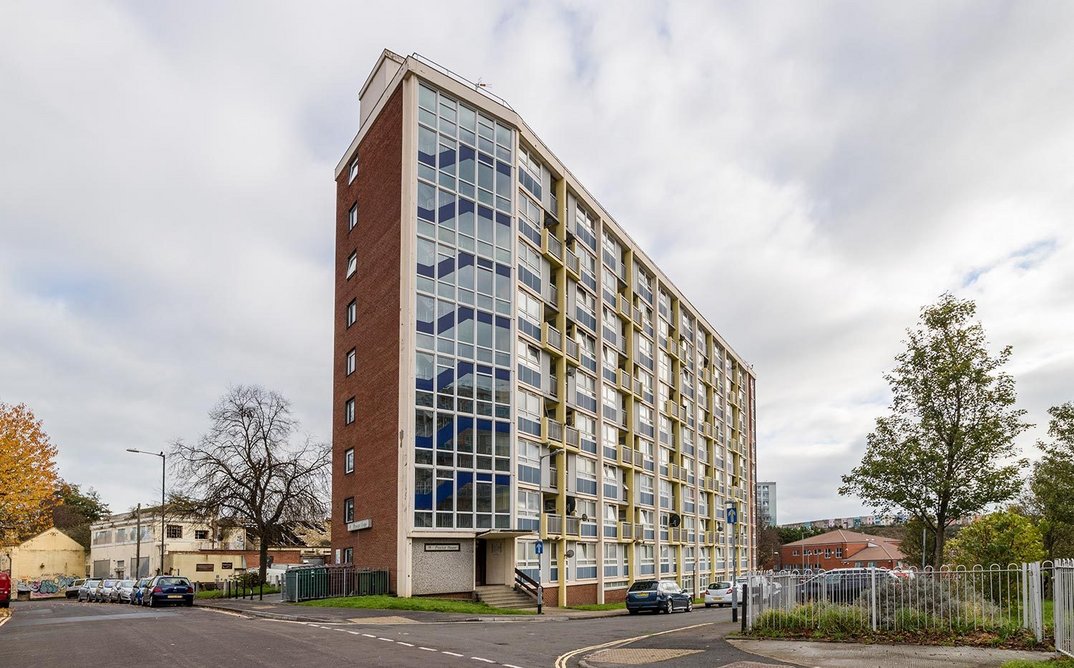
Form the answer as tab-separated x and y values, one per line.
27	474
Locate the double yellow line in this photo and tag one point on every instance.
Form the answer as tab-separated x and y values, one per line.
563	659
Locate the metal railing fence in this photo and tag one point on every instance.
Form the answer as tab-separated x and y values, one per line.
1063	605
315	582
850	600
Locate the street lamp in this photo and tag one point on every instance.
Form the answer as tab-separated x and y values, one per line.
162	477
540	485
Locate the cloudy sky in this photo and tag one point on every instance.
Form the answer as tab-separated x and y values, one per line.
812	174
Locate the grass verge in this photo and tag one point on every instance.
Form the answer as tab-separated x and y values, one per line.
419	604
599	606
1058	662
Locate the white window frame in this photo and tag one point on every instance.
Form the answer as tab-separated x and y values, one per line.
352	264
348	460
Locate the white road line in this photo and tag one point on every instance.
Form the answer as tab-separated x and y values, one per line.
561	661
5	620
477	658
404	644
508	665
429	649
450	653
386	639
354	633
369	635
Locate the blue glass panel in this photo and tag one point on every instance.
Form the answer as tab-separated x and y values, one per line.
426	202
484	477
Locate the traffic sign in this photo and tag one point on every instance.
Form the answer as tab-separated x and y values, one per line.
539	547
732	515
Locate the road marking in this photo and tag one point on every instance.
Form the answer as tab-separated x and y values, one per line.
477	658
224	612
450	653
508	665
369	635
404	644
429	649
561	661
5	620
354	633
386	639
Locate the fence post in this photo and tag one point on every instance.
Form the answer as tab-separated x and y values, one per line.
872	599
745	603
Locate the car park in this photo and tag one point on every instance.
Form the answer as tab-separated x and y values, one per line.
168	589
843	585
86	591
5	589
121	593
658	596
718	594
72	589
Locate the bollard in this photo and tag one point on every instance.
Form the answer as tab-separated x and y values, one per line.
745	607
734	604
261	596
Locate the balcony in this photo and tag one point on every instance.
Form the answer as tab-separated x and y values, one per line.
552	430
673	409
626	531
637	317
672	348
552	337
553	525
574	267
572	351
550	296
573	437
623	377
552	247
623	305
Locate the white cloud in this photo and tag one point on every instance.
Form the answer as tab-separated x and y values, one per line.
811	174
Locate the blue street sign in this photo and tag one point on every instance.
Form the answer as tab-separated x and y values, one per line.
732	515
539	547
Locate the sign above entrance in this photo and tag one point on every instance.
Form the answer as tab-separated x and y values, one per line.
359	525
442	547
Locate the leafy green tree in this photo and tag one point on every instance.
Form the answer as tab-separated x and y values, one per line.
939	454
1049	496
74	510
999	538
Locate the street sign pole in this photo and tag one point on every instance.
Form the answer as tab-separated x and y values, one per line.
539	549
732	519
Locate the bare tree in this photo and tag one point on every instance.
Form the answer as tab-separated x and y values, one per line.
253	468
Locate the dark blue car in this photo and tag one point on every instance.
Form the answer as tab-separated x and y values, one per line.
168	589
658	596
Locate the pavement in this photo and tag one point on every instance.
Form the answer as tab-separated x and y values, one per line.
272	607
854	655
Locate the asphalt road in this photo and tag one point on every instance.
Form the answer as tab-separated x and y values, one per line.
59	633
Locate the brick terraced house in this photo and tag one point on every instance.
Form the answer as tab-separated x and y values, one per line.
512	373
841	549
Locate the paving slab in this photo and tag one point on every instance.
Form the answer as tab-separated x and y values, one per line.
853	655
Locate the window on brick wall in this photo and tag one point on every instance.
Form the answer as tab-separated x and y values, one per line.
352	217
352	264
348	461
348	510
348	411
352	312
354	171
352	361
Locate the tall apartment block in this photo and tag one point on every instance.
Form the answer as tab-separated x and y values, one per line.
520	392
766	503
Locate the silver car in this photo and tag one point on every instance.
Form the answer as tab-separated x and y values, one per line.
121	593
104	592
87	590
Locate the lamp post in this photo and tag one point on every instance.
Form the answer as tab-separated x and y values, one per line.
540	560
163	473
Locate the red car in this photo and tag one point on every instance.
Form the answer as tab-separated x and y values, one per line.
5	589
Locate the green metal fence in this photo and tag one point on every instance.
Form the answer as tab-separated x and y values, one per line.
306	583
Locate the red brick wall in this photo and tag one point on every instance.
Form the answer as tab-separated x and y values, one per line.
790	561
581	594
615	596
375	336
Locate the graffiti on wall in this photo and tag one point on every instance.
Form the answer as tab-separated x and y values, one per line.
46	587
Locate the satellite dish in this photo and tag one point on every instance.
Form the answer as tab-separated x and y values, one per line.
585	518
674	520
569	553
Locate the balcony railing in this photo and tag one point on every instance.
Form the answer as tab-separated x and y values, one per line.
553	247
572	351
573	437
553	430
552	336
574	265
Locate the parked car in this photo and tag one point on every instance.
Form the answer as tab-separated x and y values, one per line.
768	587
843	585
168	589
5	589
86	591
72	589
136	591
121	593
104	592
658	596
719	594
